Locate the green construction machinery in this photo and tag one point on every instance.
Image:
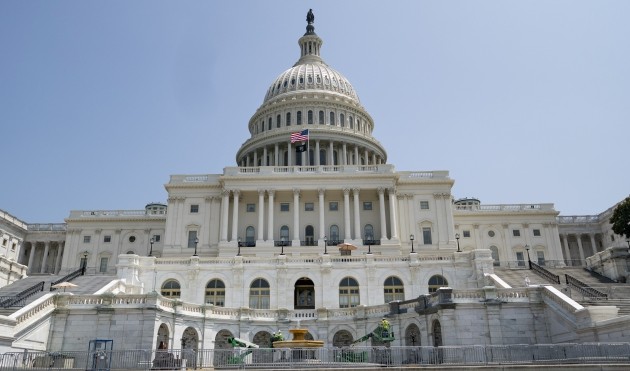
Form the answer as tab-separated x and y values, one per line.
244	347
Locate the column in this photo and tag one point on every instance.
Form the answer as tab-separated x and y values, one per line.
356	155
236	194
357	210
367	157
225	203
261	214
593	247
565	246
374	159
58	260
346	213
289	150
331	157
45	257
393	218
381	204
207	216
264	159
345	154
275	155
270	193
508	242
296	216
31	255
322	210
578	237
317	153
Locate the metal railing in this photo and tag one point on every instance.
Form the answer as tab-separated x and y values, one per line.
20	298
68	277
583	288
553	278
357	357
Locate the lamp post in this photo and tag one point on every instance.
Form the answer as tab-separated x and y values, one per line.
85	255
369	243
196	242
411	237
628	241
282	242
457	238
151	241
325	245
529	261
238	252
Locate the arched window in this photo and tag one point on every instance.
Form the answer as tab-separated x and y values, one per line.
335	158
321	117
348	293
332	119
322	157
215	293
342	120
278	120
334	232
268	127
284	233
250	236
368	232
309	235
495	255
393	289
435	282
299	117
259	294
351	122
270	122
171	289
288	119
310	117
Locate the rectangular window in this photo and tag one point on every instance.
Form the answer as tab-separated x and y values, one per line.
251	208
424	205
192	236
299	117
284	206
367	205
103	267
516	233
467	234
87	239
156	238
4	242
13	246
537	232
107	239
540	255
333	206
426	235
194	208
520	259
309	206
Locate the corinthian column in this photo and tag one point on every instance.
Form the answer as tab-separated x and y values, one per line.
225	204
393	212
381	204
346	213
270	193
322	210
236	194
261	214
296	216
357	219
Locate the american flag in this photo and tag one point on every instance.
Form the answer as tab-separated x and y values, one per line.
302	136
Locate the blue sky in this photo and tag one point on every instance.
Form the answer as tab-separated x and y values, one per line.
523	102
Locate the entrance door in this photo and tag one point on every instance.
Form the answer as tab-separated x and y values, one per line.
304	294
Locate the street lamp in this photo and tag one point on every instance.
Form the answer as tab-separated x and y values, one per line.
196	242
85	255
411	237
282	242
457	238
238	253
151	241
369	243
529	261
325	245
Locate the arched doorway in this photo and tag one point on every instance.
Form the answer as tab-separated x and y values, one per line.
309	235
437	333
412	336
162	337
190	345
263	340
342	338
304	294
223	349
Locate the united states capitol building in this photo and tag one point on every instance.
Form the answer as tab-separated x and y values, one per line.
311	225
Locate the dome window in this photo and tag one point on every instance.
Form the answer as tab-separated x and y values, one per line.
301	80
299	117
285	84
326	80
334	82
278	121
319	79
351	122
310	117
310	79
321	117
332	118
292	82
288	119
342	120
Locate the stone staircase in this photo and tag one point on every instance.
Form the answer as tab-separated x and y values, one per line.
86	285
618	293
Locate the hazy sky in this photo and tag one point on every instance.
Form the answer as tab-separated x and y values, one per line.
522	101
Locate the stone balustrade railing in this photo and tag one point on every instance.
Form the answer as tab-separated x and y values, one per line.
47	227
33	312
505	208
577	219
13	220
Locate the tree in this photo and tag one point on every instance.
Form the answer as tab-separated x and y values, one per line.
620	219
